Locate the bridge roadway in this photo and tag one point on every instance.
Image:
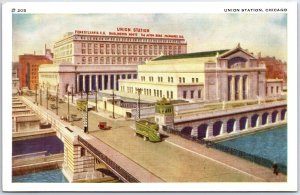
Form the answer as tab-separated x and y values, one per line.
173	160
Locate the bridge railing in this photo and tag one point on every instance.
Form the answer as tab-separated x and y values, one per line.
49	117
127	177
250	157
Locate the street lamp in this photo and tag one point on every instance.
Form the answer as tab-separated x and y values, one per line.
41	103
86	116
47	95
68	117
72	93
96	100
139	90
113	103
36	86
57	99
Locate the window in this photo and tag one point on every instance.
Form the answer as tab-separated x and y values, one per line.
192	94
193	80
183	79
171	95
82	152
179	79
83	60
96	60
83	51
197	80
167	94
277	89
271	90
90	60
199	93
184	94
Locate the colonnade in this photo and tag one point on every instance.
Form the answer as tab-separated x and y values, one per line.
238	86
99	82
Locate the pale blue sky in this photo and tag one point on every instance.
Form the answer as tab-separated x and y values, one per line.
257	32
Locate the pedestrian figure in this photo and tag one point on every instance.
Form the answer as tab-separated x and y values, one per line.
275	168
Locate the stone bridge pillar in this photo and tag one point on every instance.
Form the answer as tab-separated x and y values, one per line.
209	132
223	127
194	132
79	164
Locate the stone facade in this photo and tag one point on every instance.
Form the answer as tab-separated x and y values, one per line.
222	75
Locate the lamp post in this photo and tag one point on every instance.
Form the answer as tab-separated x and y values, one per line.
72	93
86	117
57	99
68	117
113	103
41	103
47	96
96	100
139	90
36	86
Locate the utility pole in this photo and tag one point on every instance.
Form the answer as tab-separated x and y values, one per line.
113	103
86	121
57	99
72	93
36	94
96	101
68	117
47	97
41	97
139	90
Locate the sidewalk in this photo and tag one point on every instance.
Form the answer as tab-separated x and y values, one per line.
236	163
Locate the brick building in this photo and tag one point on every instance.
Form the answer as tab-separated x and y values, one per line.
29	67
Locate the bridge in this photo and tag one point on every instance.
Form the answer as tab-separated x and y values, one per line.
211	124
133	160
84	152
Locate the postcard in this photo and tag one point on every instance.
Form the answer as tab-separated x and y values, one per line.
149	96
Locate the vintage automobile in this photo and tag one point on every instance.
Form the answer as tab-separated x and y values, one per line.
103	126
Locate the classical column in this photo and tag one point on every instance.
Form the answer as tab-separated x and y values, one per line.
240	88
102	78
108	81
232	95
246	87
83	82
77	83
96	80
115	82
90	83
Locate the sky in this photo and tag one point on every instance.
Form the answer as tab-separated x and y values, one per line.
265	33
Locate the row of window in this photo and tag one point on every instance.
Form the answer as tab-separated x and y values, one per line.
113	60
130	51
170	79
272	90
192	94
128	39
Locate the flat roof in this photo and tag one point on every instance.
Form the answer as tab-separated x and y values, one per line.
192	55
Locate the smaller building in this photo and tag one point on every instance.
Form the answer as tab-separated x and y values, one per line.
15	83
274	88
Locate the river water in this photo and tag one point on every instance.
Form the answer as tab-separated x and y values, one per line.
52	176
270	144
